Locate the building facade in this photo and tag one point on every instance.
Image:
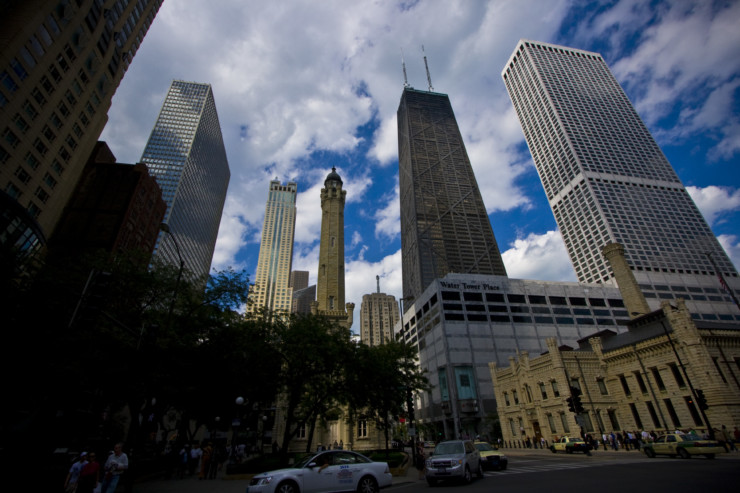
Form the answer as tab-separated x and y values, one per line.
330	285
186	155
378	316
642	380
272	288
607	181
461	323
60	64
444	224
115	207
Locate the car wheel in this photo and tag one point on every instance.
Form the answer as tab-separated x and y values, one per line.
684	455
467	476
503	466
431	482
367	485
650	453
480	470
552	449
287	487
709	456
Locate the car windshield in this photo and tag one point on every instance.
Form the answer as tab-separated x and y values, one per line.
449	448
484	447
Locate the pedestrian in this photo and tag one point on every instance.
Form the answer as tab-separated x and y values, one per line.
89	476
194	462
727	438
205	461
115	466
421	460
70	484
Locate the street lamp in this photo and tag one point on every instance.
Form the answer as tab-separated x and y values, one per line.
165	228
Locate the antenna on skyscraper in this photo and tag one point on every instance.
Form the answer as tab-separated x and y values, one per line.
429	77
377	279
403	64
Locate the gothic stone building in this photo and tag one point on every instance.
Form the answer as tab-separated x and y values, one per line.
643	379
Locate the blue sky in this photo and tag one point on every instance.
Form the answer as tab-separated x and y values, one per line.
301	86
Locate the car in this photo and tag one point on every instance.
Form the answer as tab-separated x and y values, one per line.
491	457
454	459
570	445
683	445
329	471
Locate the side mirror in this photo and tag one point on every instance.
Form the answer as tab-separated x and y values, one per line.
311	465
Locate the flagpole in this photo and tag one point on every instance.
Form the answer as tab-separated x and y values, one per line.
722	281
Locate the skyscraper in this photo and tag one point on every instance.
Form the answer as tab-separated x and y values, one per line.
60	64
444	224
330	284
607	180
378	315
186	155
272	289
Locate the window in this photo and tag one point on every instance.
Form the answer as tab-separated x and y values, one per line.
672	412
677	374
691	406
555	391
516	396
362	428
551	422
543	391
719	370
636	415
640	382
613	419
444	391
465	387
653	414
602	386
564	422
658	379
625	386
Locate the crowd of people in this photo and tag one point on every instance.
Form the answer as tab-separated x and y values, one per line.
87	475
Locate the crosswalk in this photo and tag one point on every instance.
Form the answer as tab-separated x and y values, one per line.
523	467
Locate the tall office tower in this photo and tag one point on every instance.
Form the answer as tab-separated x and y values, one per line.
444	224
330	285
607	180
186	155
272	289
298	279
378	315
60	64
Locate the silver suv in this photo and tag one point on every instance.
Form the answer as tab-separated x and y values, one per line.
454	459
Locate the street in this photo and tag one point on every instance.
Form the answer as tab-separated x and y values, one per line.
604	472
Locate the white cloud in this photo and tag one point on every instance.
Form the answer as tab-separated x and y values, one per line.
388	218
731	244
714	201
542	257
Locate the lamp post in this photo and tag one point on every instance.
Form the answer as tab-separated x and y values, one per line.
165	228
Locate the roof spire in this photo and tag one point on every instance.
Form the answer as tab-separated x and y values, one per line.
403	64
377	279
429	77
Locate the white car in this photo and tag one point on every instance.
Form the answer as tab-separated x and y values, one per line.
333	470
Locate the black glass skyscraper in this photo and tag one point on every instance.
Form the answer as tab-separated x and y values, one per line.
186	155
444	224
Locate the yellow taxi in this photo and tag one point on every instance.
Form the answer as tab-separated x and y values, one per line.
683	445
491	457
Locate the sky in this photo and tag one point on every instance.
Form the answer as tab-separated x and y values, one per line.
305	85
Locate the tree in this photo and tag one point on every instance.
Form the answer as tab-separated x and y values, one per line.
380	378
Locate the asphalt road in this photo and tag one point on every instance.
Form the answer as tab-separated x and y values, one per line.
539	470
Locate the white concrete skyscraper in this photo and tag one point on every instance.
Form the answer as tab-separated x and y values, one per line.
272	289
607	180
186	155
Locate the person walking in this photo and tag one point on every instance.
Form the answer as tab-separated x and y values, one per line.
115	466
89	475
421	460
70	484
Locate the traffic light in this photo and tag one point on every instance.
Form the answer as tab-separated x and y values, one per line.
571	404
701	400
410	404
577	404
